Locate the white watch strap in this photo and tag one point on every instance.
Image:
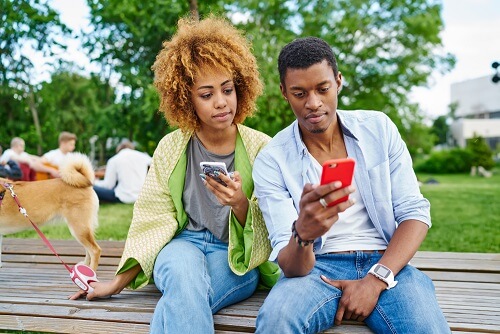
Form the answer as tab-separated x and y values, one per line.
384	274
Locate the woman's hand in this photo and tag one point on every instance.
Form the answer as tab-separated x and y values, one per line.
101	290
109	288
231	194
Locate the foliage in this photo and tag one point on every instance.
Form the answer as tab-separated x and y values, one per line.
26	25
481	152
126	38
440	129
71	102
373	40
456	160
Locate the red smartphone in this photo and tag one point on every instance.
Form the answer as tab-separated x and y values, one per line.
338	170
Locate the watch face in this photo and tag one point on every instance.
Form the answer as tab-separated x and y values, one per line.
382	271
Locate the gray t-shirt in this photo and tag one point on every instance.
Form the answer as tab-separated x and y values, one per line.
202	207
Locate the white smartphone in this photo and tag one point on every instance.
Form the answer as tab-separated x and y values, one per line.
210	168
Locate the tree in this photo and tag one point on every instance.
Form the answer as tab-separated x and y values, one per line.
384	49
25	24
481	152
440	129
126	38
84	106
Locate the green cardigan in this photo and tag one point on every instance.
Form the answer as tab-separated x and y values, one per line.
159	212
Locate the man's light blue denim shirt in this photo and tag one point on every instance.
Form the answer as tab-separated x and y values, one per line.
384	175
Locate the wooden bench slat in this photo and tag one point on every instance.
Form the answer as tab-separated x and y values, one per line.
34	287
57	325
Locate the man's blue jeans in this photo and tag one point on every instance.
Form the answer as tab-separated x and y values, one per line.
193	275
106	195
308	305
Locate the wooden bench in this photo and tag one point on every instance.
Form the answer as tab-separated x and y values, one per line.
34	287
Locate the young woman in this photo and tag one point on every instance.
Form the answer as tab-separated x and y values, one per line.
186	227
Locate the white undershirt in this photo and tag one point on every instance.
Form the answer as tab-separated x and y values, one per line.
126	173
55	157
354	230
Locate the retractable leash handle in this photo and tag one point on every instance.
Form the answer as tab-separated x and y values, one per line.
81	274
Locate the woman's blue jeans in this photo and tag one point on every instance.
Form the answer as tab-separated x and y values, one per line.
308	305
193	275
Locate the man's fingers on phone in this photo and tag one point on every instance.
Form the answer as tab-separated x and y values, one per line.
325	189
346	204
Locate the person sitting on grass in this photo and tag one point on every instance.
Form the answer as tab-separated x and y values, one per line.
29	164
10	169
200	240
124	176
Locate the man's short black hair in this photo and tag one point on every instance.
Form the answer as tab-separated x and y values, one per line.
303	53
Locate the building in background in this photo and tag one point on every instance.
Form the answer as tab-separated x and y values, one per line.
478	111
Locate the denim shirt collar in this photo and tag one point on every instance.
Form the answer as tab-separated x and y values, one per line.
301	147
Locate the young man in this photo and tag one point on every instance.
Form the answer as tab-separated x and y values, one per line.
350	260
124	176
67	142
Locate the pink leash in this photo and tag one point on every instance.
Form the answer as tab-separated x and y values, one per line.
81	274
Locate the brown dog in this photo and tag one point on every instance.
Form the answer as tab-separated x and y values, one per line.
70	199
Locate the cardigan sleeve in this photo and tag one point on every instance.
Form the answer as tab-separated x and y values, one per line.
154	219
249	246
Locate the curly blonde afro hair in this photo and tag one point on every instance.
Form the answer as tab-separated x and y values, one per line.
211	42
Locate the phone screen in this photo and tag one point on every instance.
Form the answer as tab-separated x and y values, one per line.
338	170
210	169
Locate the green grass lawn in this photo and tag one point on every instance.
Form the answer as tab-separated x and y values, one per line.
465	214
114	221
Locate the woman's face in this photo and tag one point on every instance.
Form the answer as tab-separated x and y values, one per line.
214	99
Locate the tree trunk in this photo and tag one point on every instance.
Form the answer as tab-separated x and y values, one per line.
193	8
36	121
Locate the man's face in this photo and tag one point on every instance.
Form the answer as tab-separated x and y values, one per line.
68	146
312	94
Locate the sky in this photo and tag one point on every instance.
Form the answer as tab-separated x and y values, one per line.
471	32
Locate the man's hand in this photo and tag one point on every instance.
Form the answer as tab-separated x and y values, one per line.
313	222
314	219
358	299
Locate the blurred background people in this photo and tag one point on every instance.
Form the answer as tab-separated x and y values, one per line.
29	164
67	142
10	169
124	176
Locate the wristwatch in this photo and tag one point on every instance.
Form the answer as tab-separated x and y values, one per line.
384	274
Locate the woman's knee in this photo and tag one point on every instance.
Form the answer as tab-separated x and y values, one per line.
179	265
